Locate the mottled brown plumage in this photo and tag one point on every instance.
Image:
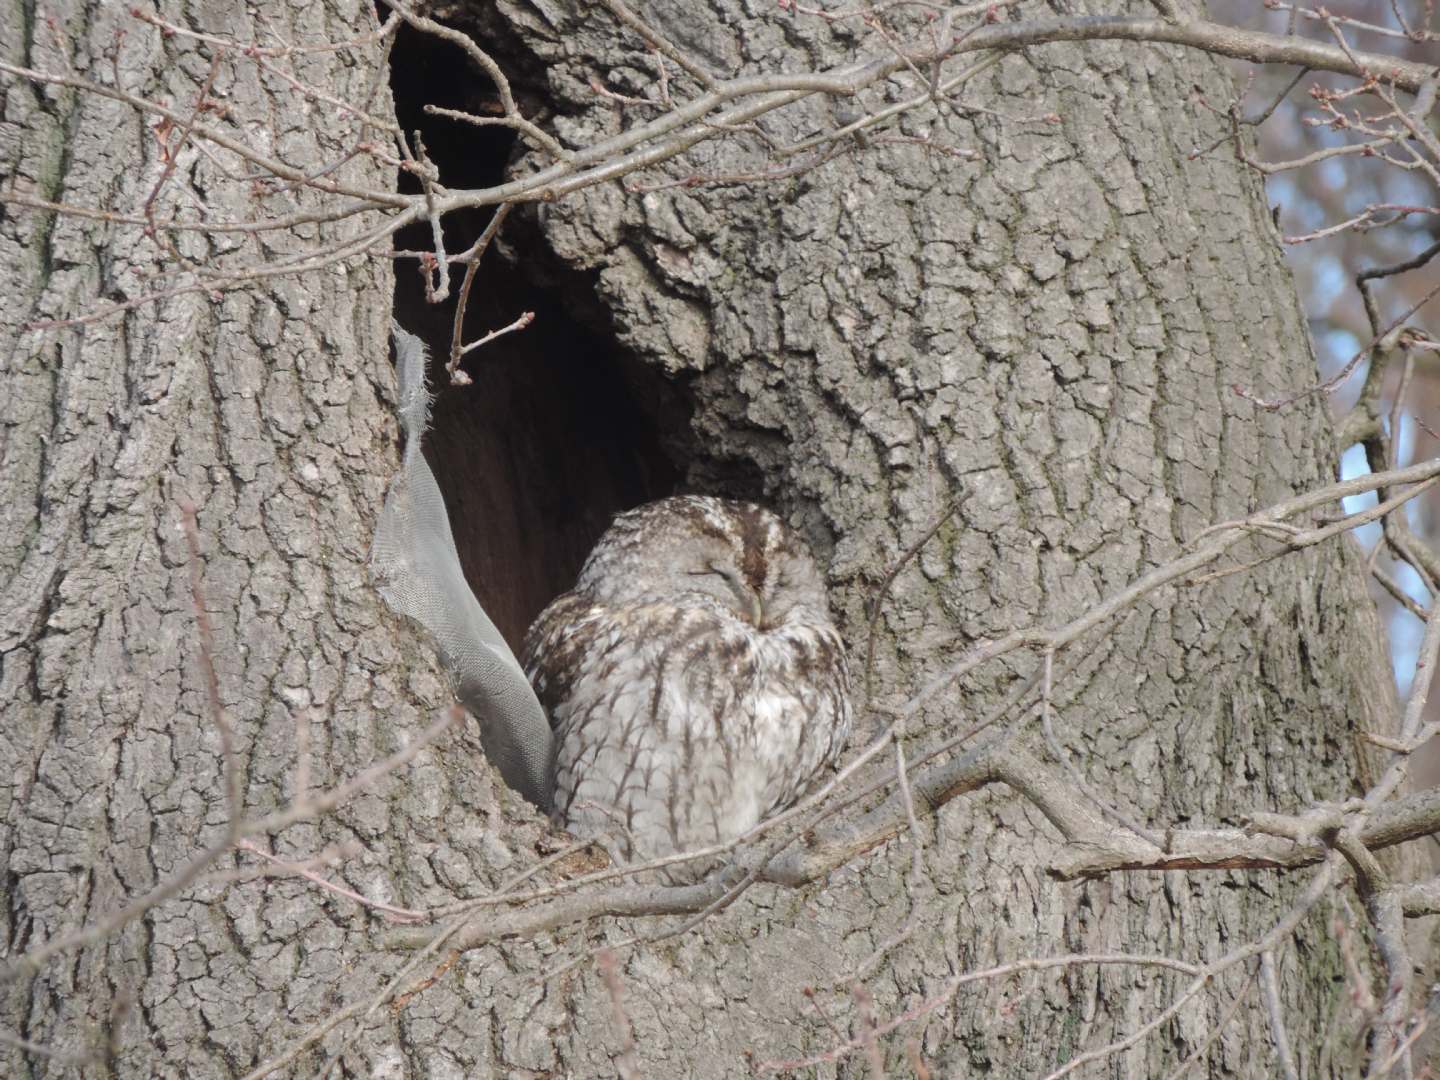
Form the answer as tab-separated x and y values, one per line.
693	677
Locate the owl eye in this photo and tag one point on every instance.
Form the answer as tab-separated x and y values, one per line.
712	571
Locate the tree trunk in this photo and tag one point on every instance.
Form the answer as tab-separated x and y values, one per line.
271	411
1046	334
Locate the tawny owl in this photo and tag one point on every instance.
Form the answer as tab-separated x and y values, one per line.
693	677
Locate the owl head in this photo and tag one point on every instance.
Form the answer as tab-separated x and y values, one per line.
709	552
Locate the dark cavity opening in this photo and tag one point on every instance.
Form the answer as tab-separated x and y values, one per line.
561	429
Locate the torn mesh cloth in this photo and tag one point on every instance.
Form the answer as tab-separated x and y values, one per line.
417	571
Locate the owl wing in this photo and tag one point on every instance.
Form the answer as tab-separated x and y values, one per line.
560	648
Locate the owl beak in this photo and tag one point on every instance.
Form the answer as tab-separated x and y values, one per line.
757	609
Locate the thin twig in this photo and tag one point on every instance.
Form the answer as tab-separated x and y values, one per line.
1270	994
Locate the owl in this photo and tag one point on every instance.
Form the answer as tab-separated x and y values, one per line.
693	678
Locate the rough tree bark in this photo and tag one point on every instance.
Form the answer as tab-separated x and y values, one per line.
272	412
1048	333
